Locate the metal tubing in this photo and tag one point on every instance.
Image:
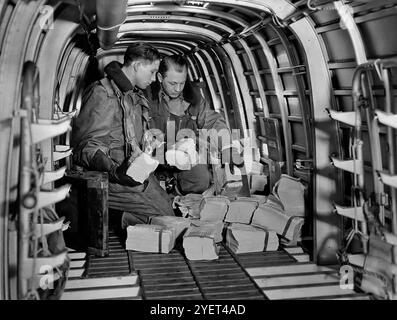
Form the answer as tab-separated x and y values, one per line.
389	62
386	75
110	16
357	94
228	67
29	100
374	141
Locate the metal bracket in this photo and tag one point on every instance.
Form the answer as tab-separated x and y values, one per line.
21	113
382	199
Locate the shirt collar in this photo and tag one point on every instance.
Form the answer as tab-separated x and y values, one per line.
177	106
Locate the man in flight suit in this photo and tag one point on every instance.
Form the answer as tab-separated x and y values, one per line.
173	99
109	134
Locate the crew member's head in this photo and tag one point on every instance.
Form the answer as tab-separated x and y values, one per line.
172	75
141	63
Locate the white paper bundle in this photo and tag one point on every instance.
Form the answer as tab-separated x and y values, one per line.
231	189
257	183
150	238
242	238
241	210
214	208
178	224
267	216
189	204
274	202
256	168
199	242
215	226
259	198
142	167
291	193
232	182
183	154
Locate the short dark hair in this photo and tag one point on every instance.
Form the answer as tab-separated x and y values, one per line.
178	62
142	51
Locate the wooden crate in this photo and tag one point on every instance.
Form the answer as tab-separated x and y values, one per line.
87	209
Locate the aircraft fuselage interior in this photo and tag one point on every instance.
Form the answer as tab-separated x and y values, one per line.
307	90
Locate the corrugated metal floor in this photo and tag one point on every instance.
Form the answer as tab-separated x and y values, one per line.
283	274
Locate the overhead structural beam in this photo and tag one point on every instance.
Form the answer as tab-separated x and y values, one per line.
131	10
162	28
172	46
281	9
204	22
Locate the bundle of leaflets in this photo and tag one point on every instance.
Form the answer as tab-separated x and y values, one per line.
200	240
183	154
142	167
271	217
178	224
242	238
241	210
214	208
150	238
189	204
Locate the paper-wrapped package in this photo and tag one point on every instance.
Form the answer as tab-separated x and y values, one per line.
216	226
242	238
269	216
150	238
199	242
232	182
189	204
259	198
291	192
258	182
183	154
178	224
241	210
142	167
214	208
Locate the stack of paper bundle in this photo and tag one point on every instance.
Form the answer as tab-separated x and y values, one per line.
199	242
178	224
270	217
231	189
142	167
259	198
183	154
257	178
241	210
242	238
291	192
257	182
216	226
232	182
214	208
189	204
150	238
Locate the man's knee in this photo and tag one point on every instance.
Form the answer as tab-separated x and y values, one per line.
196	180
131	219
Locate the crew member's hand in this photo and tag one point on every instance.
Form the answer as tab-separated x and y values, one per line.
118	175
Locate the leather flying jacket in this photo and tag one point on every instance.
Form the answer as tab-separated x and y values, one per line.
198	113
113	119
